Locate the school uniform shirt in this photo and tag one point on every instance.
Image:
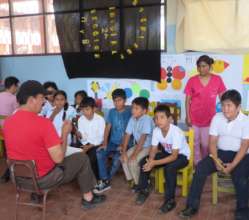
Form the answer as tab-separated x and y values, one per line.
230	133
58	121
142	125
174	140
46	109
92	131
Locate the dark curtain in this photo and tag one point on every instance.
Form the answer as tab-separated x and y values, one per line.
126	45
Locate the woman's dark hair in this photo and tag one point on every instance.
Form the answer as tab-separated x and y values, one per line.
63	93
48	84
233	96
206	59
163	108
81	93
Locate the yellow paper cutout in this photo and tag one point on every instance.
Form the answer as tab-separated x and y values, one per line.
141	10
143	28
162	85
96	55
129	51
85	41
96	47
135	45
134	2
176	84
83	19
143	20
95	26
245	74
95	33
94	18
93	11
112	14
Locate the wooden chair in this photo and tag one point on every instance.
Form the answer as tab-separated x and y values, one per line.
24	176
185	175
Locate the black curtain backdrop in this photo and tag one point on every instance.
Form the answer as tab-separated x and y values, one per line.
132	32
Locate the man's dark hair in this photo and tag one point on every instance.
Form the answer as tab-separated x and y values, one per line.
10	81
163	108
142	102
28	89
49	84
119	93
88	102
233	96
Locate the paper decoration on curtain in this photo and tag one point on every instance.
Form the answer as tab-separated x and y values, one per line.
110	39
212	26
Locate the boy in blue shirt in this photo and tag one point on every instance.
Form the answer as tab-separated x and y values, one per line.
140	127
116	123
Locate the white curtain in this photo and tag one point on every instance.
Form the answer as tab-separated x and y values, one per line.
213	26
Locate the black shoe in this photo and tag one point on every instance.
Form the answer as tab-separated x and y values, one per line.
188	212
135	188
35	198
102	186
242	214
142	196
5	177
97	199
167	206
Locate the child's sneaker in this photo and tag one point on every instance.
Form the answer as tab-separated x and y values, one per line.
102	186
142	196
167	206
135	188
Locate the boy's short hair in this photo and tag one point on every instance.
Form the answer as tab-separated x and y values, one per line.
233	96
119	93
49	84
10	81
28	89
88	102
163	108
82	93
142	102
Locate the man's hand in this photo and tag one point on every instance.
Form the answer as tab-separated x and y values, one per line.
149	165
188	121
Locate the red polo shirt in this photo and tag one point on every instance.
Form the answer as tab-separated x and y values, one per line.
28	137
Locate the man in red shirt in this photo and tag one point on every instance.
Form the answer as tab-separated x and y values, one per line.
32	137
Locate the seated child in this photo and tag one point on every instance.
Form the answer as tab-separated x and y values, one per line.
61	112
51	88
78	97
91	127
140	126
116	123
173	156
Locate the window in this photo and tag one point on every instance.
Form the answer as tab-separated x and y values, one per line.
27	27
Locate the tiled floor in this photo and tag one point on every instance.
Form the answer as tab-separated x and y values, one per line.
64	204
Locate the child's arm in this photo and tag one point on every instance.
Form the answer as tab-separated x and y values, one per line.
138	147
123	150
106	135
187	104
152	153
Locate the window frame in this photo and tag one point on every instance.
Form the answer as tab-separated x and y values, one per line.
44	14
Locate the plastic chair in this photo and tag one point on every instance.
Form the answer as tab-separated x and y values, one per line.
185	175
24	176
221	183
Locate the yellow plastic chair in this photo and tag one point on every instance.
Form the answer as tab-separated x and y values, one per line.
221	183
185	175
2	117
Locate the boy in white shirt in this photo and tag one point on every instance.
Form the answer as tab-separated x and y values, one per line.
91	127
173	156
228	144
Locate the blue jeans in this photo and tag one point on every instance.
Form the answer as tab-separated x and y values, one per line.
102	156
